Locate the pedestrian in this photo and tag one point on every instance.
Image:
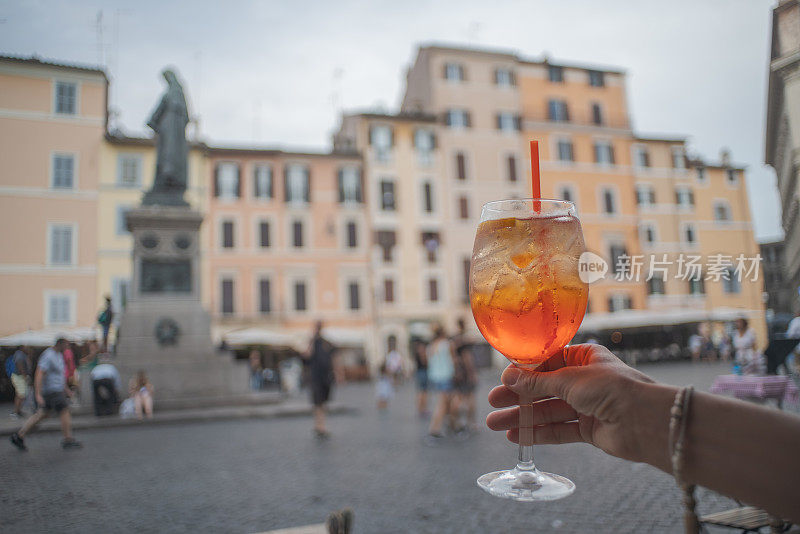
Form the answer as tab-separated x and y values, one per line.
440	376
749	360
70	368
91	355
50	388
106	385
105	319
141	390
465	379
420	350
384	390
20	377
393	361
256	371
323	370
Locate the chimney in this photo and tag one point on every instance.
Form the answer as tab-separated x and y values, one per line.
725	156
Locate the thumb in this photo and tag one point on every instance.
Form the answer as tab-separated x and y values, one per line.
535	384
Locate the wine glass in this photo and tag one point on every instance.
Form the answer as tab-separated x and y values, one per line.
528	301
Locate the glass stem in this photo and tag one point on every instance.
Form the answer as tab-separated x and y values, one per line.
525	462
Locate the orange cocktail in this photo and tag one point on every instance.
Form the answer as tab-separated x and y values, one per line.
527	298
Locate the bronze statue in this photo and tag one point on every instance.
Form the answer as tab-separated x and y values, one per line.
169	121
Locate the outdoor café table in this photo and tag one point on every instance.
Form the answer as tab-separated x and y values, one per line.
779	388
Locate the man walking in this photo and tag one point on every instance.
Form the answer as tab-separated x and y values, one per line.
320	358
50	388
20	378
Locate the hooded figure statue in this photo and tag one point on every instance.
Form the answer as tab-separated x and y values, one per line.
169	121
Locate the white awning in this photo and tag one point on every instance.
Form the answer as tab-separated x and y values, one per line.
641	318
341	337
47	337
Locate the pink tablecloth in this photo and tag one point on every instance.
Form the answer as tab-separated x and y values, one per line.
778	387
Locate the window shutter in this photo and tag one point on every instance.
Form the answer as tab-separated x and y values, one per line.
611	154
216	180
444	71
307	189
341	185
286	192
434	141
414	137
498	121
691	197
359	191
678	196
496	76
513	77
270	183
551	110
448	121
596	153
566	111
371	134
517	123
391	136
468	116
651	195
256	185
462	73
238	181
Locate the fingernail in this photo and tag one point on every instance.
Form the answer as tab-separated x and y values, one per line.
510	376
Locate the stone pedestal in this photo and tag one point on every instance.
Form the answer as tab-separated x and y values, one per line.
164	329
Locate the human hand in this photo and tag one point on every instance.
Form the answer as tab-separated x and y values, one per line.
584	394
39	400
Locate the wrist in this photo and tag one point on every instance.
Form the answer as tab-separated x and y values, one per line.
650	423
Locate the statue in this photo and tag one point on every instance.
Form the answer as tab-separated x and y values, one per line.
169	121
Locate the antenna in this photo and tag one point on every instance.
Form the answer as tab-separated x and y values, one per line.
98	28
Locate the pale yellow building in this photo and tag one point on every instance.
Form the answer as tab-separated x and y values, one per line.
52	119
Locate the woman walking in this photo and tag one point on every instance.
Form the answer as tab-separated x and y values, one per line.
440	377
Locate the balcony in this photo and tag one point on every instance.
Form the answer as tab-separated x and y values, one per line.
532	121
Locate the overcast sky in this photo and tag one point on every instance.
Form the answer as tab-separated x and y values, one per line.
277	73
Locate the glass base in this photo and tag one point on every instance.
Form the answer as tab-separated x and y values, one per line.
525	485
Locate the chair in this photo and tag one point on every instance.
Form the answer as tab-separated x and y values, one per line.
748	519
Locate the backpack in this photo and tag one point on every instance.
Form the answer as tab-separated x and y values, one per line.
103	317
11	365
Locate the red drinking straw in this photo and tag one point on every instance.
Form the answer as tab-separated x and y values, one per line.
536	186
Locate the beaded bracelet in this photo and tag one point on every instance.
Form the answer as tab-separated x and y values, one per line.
679	415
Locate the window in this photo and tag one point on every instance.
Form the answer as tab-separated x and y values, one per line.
555	74
297	234
678	158
731	176
730	283
597	114
615	252
121	225
387	199
66	98
511	167
609	202
424	143
458	118
352	235
388	290
226	288
649	233
300	303
61	244
226	181
603	153
427	197
618	302
642	157
645	195
504	77
296	182
129	171
697	286
463	207
454	72
227	234
565	150
508	122
264	295
596	78
689	234
465	268
63	171
702	176
557	111
430	240
386	239
565	193
381	137
262	181
350	190
722	212
461	166
354	300
59	309
655	286
433	290
263	234
684	197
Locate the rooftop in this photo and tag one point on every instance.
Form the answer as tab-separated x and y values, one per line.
36	61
